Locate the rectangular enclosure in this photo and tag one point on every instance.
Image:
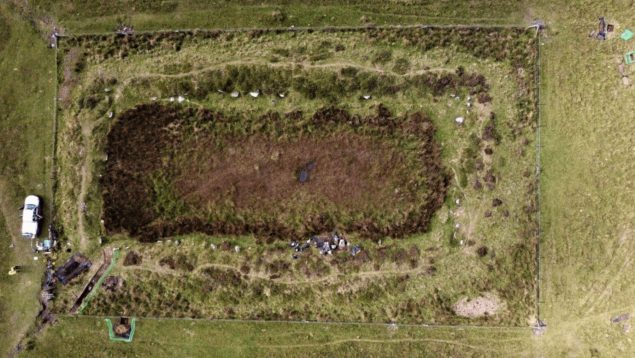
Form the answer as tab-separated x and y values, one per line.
218	159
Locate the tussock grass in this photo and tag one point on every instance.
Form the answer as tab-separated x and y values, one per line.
415	279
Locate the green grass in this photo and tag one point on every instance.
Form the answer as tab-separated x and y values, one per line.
85	17
587	185
168	338
27	91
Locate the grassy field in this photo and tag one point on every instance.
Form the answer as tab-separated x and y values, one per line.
276	339
587	186
483	238
26	98
81	17
586	202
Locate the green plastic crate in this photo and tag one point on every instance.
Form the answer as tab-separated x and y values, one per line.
111	331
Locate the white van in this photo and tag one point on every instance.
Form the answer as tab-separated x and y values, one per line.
31	217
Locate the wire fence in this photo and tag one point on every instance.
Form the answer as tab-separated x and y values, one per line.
307	322
538	171
308	28
52	211
538	73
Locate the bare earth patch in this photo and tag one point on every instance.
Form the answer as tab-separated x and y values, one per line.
347	170
378	175
71	61
485	305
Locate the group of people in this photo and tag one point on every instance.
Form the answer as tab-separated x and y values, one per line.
326	245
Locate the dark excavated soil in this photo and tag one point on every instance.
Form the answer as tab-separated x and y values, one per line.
347	171
352	174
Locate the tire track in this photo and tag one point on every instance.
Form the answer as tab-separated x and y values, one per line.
621	260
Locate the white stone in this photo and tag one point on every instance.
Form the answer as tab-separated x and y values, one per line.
459	120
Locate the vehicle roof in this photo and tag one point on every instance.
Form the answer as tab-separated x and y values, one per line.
27	213
29	227
32	199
